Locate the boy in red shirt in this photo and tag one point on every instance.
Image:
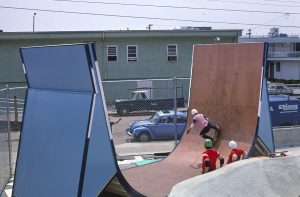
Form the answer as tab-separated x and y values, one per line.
235	153
210	156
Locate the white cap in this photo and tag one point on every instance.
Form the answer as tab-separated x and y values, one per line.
232	144
194	111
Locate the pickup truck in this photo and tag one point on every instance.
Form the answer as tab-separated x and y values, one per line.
140	102
284	110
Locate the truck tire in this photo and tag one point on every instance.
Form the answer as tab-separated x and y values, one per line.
123	111
144	137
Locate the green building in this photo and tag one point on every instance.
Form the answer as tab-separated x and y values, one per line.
122	55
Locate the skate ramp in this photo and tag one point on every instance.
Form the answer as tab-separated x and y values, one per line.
71	144
227	86
253	177
66	140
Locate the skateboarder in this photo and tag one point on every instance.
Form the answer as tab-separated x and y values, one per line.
235	153
203	122
209	157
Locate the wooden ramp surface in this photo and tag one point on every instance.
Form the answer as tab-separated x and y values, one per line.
225	86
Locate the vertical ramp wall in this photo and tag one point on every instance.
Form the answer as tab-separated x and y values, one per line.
226	85
65	141
265	139
230	89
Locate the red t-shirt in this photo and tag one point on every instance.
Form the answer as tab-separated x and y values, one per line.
211	155
237	152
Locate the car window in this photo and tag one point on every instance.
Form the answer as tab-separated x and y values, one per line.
154	118
165	120
169	120
162	120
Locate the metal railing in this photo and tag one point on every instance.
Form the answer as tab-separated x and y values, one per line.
284	55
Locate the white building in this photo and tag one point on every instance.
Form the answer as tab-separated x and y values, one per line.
284	54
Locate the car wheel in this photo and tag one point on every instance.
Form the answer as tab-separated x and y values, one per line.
144	137
123	111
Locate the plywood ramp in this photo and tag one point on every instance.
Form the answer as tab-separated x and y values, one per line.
226	87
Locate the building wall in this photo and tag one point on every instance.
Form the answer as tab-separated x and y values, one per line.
152	55
152	58
281	47
289	70
284	51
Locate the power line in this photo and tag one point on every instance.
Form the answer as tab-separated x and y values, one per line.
143	17
284	1
252	3
255	27
176	7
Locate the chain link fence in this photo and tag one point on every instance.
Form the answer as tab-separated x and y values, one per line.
284	104
141	115
11	110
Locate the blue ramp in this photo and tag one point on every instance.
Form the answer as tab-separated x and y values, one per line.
65	146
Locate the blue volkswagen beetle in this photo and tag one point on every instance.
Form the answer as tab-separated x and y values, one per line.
160	126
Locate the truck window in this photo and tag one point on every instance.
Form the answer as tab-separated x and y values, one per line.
143	96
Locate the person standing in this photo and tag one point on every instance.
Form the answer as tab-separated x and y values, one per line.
210	157
203	122
235	153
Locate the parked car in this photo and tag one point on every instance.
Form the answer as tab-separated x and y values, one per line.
159	126
284	110
139	102
278	88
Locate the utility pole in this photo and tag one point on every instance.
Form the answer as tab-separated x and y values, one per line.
149	26
249	33
33	21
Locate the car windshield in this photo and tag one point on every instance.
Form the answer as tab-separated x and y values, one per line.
154	118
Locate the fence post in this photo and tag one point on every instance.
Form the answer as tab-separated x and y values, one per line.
16	110
175	112
8	127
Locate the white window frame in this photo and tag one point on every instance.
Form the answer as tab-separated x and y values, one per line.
109	55
169	54
132	59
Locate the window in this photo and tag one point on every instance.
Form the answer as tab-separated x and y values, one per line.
166	120
132	53
277	66
112	53
297	46
172	52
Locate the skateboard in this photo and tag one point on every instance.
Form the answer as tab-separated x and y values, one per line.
278	154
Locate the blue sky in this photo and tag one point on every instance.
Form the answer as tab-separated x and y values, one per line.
217	14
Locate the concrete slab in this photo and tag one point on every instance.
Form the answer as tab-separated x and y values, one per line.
286	137
127	149
260	176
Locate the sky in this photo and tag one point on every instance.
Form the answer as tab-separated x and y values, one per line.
98	15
